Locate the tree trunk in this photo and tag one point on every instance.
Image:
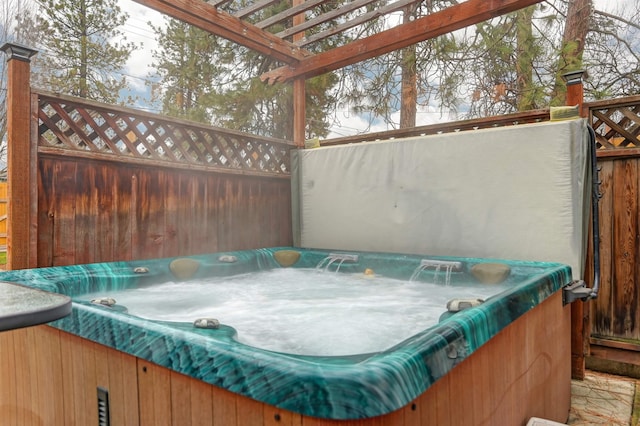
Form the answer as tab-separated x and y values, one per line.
409	91
84	52
524	65
575	34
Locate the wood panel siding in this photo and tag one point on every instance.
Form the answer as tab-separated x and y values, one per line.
101	211
51	377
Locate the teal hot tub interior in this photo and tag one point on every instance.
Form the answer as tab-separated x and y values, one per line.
355	386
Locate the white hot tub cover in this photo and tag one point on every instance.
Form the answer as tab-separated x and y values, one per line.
518	192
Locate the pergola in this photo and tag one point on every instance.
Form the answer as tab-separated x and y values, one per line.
290	46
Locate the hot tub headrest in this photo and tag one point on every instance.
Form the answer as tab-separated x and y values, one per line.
184	268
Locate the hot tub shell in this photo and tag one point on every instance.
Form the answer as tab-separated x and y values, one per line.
499	363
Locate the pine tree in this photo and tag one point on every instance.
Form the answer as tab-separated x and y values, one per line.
423	74
81	54
576	28
215	81
611	54
16	26
506	52
186	65
510	63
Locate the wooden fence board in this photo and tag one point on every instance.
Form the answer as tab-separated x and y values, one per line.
85	213
63	206
602	314
100	211
105	194
147	215
198	217
45	214
615	315
625	230
173	199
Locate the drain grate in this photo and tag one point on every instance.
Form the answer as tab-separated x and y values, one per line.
103	407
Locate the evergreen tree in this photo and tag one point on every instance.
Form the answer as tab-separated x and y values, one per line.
212	80
511	63
507	51
540	43
245	103
424	74
576	27
16	26
612	52
81	54
186	65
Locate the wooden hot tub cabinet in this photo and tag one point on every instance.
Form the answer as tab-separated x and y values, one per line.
50	377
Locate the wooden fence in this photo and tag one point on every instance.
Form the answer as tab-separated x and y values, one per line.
615	314
118	184
95	183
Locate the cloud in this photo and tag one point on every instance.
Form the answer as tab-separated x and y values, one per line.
351	124
138	31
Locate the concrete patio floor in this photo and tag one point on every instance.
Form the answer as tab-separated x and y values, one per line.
604	399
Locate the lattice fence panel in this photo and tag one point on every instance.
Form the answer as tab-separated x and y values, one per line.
80	126
617	123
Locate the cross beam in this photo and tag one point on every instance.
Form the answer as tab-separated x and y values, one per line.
208	18
438	23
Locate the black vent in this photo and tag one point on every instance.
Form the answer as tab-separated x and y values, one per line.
103	407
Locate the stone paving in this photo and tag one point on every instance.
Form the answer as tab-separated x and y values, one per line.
602	399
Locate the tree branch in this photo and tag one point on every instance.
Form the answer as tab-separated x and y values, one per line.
618	18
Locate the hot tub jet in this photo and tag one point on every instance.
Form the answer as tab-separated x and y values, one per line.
336	257
448	266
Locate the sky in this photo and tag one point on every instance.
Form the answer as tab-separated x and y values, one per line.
139	71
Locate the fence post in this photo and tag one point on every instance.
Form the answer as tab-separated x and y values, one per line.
299	112
21	157
579	310
575	90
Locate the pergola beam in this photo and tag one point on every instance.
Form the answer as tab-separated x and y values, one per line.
433	25
207	17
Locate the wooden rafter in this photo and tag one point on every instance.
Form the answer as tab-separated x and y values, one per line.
430	26
208	18
289	13
247	11
218	3
337	29
321	19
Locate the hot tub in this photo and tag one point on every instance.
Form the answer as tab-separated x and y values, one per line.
503	361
